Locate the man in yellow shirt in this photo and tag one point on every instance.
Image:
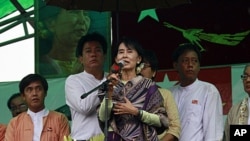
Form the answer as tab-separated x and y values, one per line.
149	70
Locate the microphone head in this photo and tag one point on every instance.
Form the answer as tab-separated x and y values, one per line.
116	67
121	63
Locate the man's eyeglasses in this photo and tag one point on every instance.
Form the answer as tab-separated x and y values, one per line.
19	107
146	65
244	76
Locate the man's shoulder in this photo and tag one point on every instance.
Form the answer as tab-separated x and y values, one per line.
206	84
75	76
56	114
19	118
3	126
166	93
174	87
237	106
164	90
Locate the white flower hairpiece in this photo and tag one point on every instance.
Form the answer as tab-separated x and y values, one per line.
139	68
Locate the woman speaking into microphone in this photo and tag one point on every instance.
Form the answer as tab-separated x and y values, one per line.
135	106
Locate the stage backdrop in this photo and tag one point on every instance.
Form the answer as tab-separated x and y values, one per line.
220	28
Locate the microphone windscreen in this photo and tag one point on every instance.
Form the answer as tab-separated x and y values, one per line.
116	67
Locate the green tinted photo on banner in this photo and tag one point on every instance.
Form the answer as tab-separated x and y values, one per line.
58	31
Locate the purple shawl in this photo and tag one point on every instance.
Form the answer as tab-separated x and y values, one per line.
143	94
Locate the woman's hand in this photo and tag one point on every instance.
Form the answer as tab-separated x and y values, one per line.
125	108
113	81
113	78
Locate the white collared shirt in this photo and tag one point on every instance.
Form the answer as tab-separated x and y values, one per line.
83	111
200	111
37	119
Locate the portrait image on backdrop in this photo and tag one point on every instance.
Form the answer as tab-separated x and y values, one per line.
58	32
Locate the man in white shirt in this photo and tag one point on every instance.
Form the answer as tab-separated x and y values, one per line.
199	103
91	52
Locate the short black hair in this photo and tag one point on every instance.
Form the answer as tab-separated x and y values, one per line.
151	58
91	37
13	96
130	43
183	48
32	78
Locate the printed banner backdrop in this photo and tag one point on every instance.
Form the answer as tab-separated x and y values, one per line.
220	28
58	32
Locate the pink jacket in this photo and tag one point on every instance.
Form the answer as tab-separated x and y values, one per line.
2	131
55	127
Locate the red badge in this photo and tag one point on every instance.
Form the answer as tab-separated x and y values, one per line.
194	101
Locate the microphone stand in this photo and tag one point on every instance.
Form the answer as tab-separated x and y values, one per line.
106	117
104	84
96	88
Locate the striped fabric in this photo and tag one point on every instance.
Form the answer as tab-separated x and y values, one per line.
130	127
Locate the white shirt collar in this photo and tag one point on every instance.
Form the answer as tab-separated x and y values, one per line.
41	113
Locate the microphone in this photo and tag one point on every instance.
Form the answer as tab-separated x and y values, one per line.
116	68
